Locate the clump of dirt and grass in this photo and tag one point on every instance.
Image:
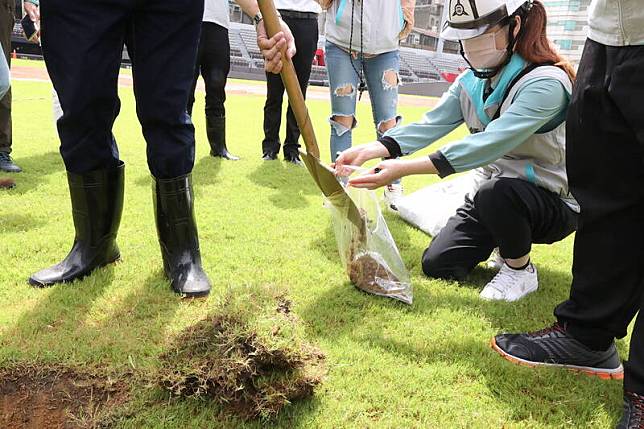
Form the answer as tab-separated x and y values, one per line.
248	355
57	397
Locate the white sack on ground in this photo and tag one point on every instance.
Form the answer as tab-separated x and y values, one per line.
429	208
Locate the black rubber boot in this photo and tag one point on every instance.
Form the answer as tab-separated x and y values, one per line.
97	205
174	213
216	130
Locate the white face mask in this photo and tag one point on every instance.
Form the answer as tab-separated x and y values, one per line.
482	51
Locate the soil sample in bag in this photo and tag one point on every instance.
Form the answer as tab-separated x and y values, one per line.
366	272
367	269
369	253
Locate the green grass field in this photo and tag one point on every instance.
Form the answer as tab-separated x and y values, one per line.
262	223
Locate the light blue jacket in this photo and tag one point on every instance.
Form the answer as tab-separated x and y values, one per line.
526	141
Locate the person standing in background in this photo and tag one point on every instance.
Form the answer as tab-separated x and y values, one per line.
363	52
5	85
7	20
213	63
302	17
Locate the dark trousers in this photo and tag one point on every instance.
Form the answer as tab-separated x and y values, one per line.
305	32
7	11
605	147
510	214
82	44
213	64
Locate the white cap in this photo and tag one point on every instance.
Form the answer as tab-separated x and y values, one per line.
471	18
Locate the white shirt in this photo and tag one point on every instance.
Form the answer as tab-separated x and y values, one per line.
298	5
216	11
616	22
383	22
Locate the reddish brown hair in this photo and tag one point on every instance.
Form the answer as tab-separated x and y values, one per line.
533	44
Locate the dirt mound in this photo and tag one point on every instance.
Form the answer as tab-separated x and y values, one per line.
55	397
248	355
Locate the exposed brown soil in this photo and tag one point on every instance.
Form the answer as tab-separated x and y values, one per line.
248	356
56	397
6	183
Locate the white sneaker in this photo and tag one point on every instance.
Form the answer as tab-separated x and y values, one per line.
392	193
511	285
495	261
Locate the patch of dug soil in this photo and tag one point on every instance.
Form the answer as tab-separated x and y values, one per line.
55	397
249	358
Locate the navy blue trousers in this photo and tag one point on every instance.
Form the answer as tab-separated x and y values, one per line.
82	44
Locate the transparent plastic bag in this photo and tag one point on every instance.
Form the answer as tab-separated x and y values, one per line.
368	252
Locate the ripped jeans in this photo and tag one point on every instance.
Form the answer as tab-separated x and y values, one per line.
381	75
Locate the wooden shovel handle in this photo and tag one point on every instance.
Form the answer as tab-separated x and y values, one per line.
292	85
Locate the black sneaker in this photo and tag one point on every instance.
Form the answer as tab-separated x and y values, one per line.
554	347
7	164
633	416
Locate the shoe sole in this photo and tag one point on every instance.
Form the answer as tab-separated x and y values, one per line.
195	295
604	374
227	158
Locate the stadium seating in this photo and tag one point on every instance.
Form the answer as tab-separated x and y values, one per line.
416	65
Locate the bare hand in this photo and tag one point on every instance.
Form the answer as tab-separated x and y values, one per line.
356	156
383	174
273	47
352	157
33	11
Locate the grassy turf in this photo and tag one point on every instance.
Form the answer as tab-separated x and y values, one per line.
262	223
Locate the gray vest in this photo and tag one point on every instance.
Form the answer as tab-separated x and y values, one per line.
541	159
